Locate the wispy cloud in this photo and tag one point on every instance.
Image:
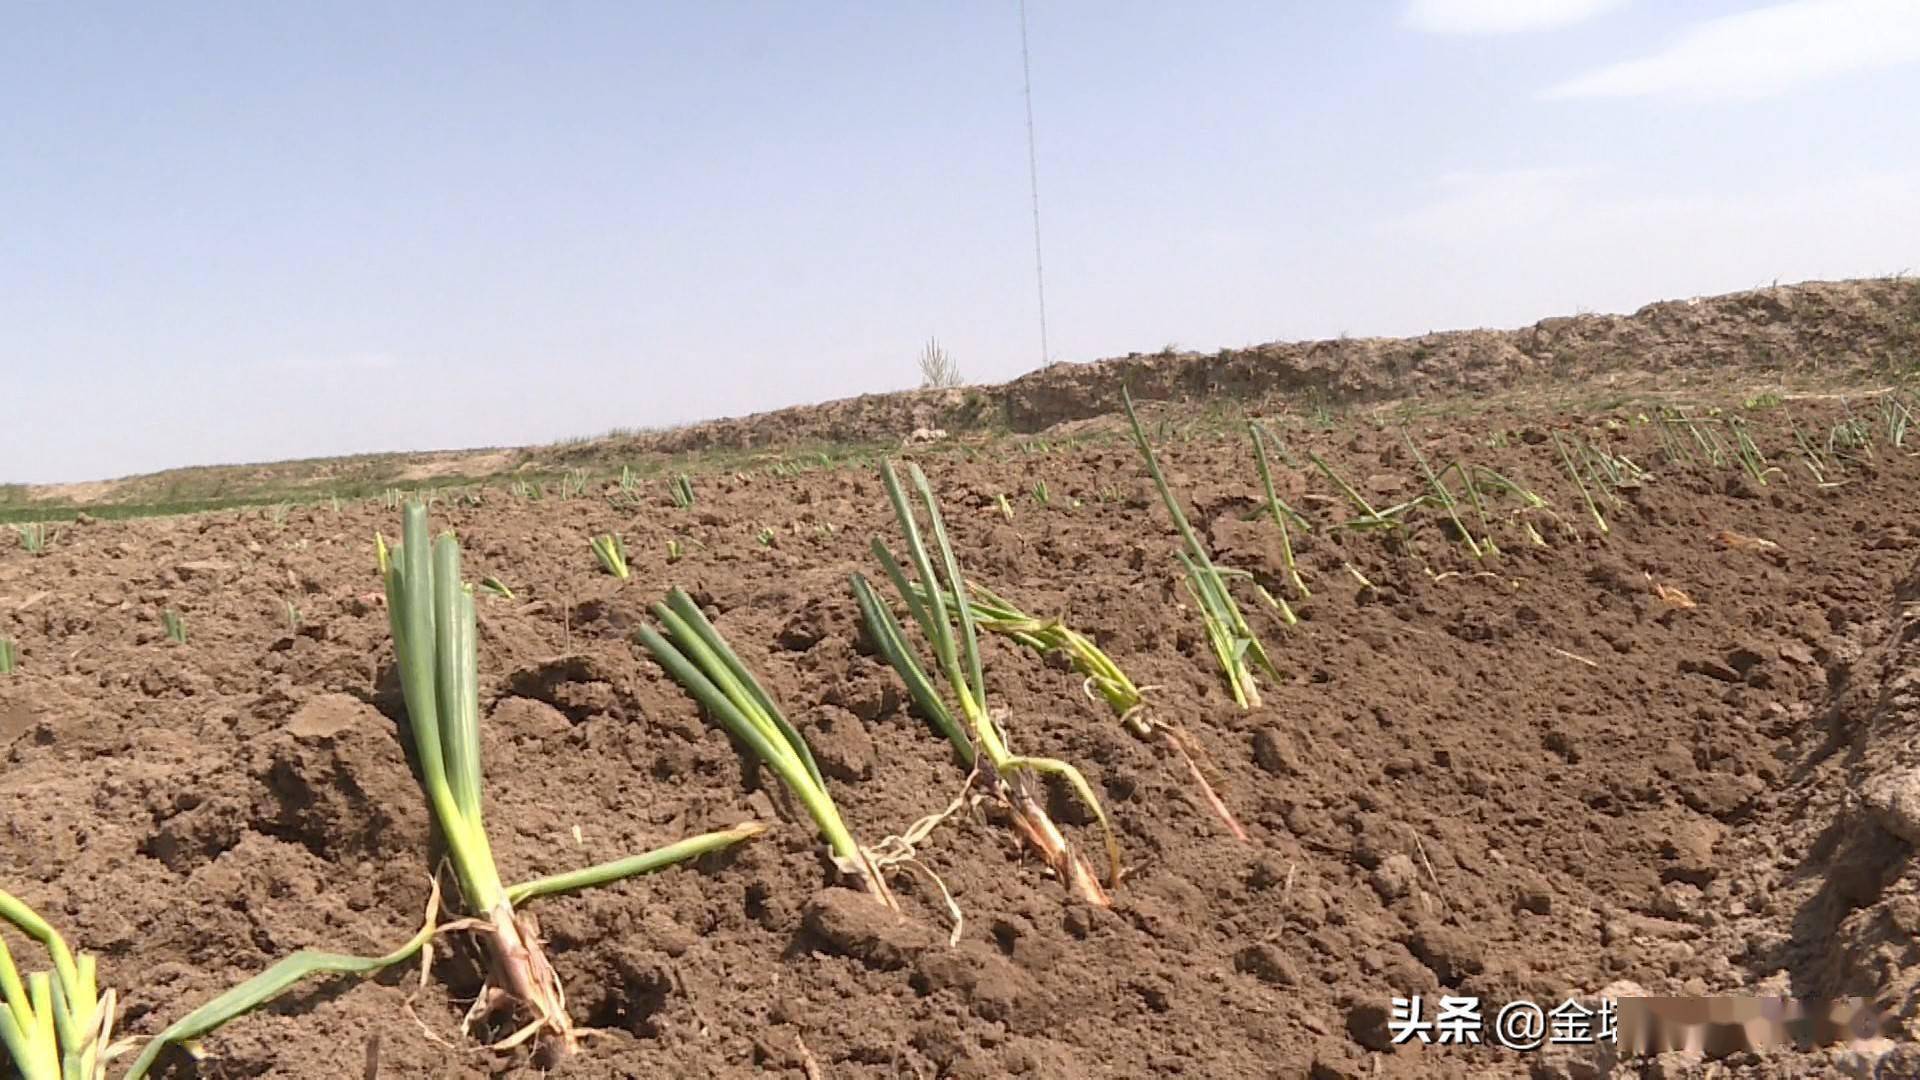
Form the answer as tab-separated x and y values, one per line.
1764	52
1500	16
1501	246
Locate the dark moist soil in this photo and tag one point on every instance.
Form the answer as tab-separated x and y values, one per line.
1529	776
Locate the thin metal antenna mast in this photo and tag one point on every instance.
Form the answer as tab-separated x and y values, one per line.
1033	180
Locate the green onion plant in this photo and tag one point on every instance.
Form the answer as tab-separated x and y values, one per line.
1442	496
1369	517
58	1024
1586	494
1812	457
702	662
612	554
1674	449
1619	470
1701	441
1239	652
1851	440
1482	481
976	733
175	625
1751	459
432	619
1898	419
34	537
1277	507
1104	678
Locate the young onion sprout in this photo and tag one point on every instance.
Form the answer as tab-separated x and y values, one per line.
1234	644
1007	774
1566	459
1672	447
1751	459
1897	417
1473	489
1104	678
1851	438
34	537
54	1025
612	554
1480	479
432	618
1277	507
1370	517
1811	456
1444	497
702	662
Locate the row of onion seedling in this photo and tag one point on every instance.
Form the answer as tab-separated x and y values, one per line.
1472	499
58	1023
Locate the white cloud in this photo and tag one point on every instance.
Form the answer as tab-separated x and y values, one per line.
1505	248
1764	52
1500	16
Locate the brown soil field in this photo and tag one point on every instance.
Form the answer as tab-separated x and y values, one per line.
1666	755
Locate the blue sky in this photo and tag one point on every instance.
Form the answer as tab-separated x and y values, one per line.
242	232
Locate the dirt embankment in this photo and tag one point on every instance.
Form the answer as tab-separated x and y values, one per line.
1816	333
1812	332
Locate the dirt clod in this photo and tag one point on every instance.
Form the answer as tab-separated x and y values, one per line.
1395	877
